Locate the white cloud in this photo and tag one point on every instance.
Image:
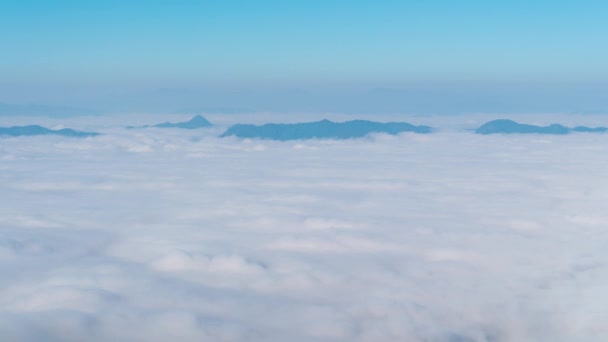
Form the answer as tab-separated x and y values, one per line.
166	234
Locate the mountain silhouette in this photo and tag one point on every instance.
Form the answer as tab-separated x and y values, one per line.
509	126
196	122
324	129
16	131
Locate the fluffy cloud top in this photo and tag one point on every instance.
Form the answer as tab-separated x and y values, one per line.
156	235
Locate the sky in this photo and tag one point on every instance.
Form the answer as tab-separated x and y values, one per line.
438	57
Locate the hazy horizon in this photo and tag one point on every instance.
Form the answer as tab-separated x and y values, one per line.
409	57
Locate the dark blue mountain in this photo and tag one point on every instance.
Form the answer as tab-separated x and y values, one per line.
324	129
590	129
16	131
196	122
510	126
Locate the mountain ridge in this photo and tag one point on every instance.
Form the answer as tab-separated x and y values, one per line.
506	126
324	129
32	130
198	121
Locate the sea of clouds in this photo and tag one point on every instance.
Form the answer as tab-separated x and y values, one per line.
177	235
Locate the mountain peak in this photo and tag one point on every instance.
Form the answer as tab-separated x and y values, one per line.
197	121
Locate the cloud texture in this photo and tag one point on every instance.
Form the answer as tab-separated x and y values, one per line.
157	235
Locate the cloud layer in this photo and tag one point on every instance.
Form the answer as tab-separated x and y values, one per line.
159	235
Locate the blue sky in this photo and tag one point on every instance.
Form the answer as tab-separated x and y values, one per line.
121	54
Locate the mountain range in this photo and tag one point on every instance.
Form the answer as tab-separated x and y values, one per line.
505	126
16	131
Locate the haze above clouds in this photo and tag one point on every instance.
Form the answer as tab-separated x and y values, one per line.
158	234
419	57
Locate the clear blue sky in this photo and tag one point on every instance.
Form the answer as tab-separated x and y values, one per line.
245	53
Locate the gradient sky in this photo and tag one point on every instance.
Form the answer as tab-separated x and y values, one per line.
414	56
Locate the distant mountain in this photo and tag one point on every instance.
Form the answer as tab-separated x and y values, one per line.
324	129
9	109
16	131
196	122
509	126
590	129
